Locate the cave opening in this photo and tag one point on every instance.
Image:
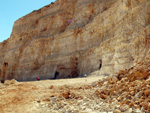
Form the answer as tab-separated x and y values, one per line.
2	81
5	64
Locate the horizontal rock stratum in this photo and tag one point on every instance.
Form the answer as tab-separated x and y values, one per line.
71	36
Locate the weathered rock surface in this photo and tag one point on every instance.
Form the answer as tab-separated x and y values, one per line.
116	31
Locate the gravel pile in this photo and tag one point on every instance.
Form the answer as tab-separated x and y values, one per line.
131	93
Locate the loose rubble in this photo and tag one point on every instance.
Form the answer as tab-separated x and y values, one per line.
130	91
112	94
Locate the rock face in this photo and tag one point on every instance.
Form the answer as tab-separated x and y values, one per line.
71	36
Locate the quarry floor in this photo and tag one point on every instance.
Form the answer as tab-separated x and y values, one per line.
48	96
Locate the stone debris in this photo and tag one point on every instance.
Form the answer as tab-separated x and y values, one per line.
110	95
130	91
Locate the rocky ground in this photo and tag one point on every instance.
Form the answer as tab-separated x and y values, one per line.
128	92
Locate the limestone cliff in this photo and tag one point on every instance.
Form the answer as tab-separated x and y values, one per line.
116	31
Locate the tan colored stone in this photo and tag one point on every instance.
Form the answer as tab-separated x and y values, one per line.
147	92
145	105
138	75
117	111
148	79
137	106
139	94
127	102
124	108
51	87
114	80
131	105
66	95
130	110
132	93
125	79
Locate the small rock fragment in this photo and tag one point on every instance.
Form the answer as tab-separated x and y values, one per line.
66	95
147	92
124	107
130	110
117	111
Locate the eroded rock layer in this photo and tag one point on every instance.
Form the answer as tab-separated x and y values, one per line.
71	36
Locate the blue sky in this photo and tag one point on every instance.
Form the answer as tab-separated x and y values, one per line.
11	10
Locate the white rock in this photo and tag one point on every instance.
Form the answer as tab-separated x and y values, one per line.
117	111
148	79
105	83
124	108
130	110
137	111
117	106
139	94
